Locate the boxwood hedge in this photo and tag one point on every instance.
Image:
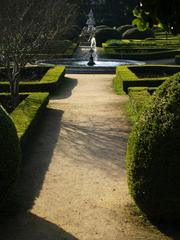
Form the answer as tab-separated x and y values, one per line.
27	114
153	155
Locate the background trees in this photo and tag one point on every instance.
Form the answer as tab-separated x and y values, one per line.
109	12
25	28
158	12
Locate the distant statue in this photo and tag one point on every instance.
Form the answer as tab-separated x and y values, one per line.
93	43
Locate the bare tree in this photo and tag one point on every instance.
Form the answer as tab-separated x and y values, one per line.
25	28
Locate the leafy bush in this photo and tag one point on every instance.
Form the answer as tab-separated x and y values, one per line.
153	154
10	157
105	34
134	33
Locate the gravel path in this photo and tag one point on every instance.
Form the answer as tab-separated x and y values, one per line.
74	181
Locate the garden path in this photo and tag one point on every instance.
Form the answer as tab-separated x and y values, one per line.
74	180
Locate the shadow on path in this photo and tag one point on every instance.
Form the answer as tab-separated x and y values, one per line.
65	88
106	145
37	158
30	227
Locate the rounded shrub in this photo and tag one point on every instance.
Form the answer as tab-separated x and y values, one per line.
124	28
105	34
101	27
134	33
10	157
153	155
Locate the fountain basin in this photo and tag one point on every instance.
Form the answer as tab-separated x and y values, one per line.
81	66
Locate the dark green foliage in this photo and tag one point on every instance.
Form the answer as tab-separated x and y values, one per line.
10	158
153	154
101	27
105	34
124	28
159	13
134	33
177	59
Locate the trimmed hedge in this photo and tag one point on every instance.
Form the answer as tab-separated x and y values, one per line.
112	53
128	75
48	83
153	155
10	158
141	49
27	114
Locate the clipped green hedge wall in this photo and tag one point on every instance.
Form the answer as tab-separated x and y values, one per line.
48	83
128	75
10	158
153	155
27	114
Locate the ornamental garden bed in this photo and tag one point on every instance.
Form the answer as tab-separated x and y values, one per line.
36	79
144	75
139	54
147	49
140	82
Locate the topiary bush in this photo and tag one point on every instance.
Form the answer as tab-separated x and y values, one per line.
134	33
105	34
10	158
153	154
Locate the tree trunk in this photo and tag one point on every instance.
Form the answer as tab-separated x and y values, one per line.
14	91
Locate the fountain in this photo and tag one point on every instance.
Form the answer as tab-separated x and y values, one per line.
91	59
85	60
89	33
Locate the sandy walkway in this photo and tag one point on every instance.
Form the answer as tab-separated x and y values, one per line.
74	180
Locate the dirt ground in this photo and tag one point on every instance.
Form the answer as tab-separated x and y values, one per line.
73	184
